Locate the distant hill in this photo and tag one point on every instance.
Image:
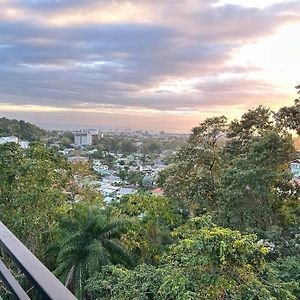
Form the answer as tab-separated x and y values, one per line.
21	129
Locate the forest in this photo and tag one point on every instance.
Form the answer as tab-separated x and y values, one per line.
21	129
227	226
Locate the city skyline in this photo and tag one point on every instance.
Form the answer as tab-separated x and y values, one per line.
147	65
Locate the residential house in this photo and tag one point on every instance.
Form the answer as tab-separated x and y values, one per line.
295	168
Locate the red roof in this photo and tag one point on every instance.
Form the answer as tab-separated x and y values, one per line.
157	191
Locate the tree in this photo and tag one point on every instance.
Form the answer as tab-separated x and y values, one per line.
253	123
242	179
151	220
128	147
93	241
207	262
135	177
288	270
252	187
288	117
192	179
21	129
32	184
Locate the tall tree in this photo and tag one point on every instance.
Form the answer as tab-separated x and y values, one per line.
288	117
240	132
93	241
254	186
192	179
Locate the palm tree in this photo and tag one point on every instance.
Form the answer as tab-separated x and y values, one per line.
95	242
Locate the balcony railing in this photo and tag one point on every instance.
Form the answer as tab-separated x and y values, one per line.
45	282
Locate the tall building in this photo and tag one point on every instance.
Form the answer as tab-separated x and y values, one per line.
86	137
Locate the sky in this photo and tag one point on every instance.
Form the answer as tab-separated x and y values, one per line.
145	64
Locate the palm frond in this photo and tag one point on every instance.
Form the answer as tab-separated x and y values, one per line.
118	253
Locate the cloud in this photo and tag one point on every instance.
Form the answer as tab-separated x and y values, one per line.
166	56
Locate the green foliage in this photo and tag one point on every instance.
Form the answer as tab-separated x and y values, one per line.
243	179
288	270
253	124
250	187
90	243
135	177
116	283
32	196
192	179
208	263
67	138
128	147
20	129
289	117
151	219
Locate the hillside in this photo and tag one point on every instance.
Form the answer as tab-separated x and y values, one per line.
21	129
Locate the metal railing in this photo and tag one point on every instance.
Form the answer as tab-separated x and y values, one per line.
46	283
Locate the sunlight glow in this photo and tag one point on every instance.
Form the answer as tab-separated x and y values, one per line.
274	59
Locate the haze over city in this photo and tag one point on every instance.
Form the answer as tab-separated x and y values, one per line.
153	65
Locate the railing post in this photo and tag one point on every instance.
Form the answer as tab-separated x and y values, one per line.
49	286
11	283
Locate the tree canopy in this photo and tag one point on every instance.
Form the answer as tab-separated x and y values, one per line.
20	129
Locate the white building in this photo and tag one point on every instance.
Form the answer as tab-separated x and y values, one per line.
86	137
98	166
24	144
295	168
83	138
9	139
14	139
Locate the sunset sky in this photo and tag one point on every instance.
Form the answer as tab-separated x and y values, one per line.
145	64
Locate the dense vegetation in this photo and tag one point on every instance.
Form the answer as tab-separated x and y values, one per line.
227	227
21	129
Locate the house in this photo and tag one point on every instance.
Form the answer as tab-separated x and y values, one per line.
108	190
99	167
157	192
9	139
103	172
147	169
92	151
66	151
77	159
14	139
111	179
24	144
108	200
295	168
126	191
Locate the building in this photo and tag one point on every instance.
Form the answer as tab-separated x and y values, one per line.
295	168
83	138
126	192
86	137
14	139
78	159
9	139
24	144
157	192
